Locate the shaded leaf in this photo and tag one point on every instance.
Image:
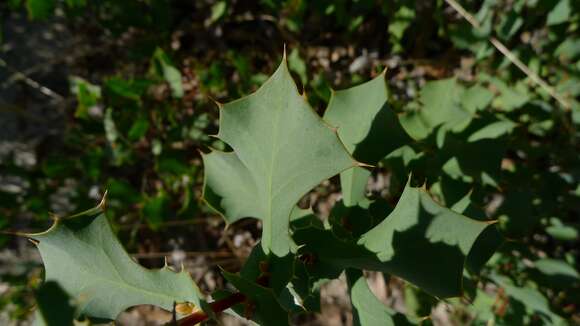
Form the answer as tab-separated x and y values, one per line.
533	300
296	64
53	306
267	308
156	210
40	9
369	129
417	227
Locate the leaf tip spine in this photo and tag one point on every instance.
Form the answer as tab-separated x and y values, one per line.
103	204
217	103
364	165
384	72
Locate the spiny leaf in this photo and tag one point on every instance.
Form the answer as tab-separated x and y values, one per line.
282	149
412	242
419	227
82	254
369	129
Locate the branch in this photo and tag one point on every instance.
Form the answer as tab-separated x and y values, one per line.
30	82
511	56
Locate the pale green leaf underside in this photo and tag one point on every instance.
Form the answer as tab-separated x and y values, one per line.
281	150
83	255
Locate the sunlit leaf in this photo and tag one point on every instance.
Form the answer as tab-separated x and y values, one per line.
83	255
282	149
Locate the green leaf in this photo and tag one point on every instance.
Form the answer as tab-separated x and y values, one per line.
509	25
440	100
415	237
296	64
88	95
487	242
282	149
156	210
163	67
367	309
493	130
399	24
268	310
110	128
82	254
510	97
532	299
560	14
279	268
476	98
369	129
568	50
218	10
419	227
138	128
129	89
53	307
562	232
76	3
40	9
554	267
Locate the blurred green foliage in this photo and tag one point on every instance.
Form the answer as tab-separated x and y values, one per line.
480	126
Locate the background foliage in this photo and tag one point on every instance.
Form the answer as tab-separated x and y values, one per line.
118	95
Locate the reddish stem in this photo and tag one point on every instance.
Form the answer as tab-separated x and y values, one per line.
216	306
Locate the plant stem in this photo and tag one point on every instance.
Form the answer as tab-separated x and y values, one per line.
216	306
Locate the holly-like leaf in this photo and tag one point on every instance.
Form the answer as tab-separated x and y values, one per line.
83	255
419	227
282	149
419	241
369	129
